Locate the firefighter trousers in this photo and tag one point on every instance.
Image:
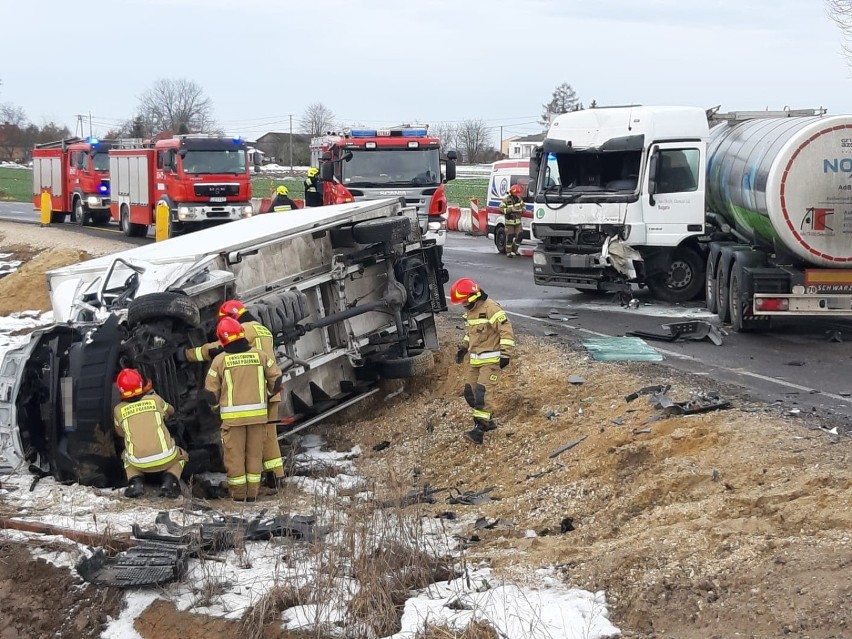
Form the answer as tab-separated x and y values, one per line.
243	458
477	382
514	228
173	467
272	461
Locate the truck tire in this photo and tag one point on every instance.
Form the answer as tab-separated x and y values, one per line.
129	228
739	289
155	306
683	280
79	212
711	285
404	367
500	238
384	229
101	218
57	217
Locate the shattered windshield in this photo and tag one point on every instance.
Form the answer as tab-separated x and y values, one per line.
397	166
225	161
591	172
100	161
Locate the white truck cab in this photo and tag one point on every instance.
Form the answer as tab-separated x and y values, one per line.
619	198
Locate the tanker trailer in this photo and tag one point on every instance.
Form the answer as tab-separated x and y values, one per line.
783	184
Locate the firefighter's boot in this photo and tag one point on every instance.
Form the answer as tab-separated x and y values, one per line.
484	424
136	488
170	488
474	435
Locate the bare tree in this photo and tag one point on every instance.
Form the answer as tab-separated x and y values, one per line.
474	139
447	133
563	100
12	115
317	119
841	12
170	105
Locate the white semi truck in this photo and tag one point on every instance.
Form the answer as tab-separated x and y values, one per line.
753	208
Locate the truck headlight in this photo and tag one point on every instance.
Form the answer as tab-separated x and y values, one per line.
248	211
93	200
539	258
435	226
185	213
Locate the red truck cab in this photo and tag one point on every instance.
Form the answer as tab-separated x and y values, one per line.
75	171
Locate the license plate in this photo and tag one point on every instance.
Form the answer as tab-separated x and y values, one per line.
218	199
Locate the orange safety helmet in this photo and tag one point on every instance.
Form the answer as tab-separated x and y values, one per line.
232	308
229	330
464	291
516	189
130	383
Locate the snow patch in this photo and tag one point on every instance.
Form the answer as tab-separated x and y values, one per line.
136	603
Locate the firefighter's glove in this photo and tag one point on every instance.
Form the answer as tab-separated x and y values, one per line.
460	354
504	361
213	352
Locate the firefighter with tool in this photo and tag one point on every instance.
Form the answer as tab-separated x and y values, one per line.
313	188
239	383
282	202
490	342
148	446
260	338
512	208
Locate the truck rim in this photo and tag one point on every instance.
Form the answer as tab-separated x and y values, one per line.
680	275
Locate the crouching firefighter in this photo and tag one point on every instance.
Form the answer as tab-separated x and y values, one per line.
239	383
490	343
148	445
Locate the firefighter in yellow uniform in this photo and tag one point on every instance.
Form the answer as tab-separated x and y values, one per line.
282	202
490	343
512	208
260	338
313	188
148	446
239	383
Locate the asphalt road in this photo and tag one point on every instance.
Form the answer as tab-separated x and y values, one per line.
23	212
793	362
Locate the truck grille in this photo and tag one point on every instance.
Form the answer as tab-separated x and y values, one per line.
216	190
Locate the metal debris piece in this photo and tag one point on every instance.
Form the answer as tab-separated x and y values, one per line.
567	446
566	525
618	421
643	431
425	495
552	415
483	524
576	379
151	563
381	446
550	333
693	329
471	498
834	336
648	390
796	362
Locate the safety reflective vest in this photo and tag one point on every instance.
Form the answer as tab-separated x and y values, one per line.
141	423
488	333
242	383
513	208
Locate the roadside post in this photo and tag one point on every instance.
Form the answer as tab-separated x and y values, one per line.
45	208
161	222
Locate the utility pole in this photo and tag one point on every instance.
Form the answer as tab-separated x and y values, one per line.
291	144
90	125
501	141
79	126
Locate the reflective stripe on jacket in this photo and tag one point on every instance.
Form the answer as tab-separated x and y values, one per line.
513	208
488	333
141	423
242	384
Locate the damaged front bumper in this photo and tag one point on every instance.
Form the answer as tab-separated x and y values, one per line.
613	268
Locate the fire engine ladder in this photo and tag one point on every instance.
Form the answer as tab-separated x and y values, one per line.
59	144
133	143
713	115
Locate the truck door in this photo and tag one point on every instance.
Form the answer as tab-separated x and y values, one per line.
673	193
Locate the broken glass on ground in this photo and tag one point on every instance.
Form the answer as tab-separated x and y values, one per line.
621	349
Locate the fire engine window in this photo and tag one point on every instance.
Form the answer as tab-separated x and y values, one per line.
677	171
82	160
159	159
100	161
72	159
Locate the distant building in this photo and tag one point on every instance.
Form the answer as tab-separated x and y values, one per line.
276	147
521	148
504	147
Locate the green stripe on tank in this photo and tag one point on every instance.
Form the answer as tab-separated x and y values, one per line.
751	223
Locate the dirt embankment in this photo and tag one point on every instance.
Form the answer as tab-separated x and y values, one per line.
26	288
737	521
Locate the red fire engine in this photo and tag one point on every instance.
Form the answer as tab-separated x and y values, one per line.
75	172
203	179
369	164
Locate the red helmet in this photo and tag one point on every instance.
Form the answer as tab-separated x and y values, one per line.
516	189
229	330
464	291
130	383
232	308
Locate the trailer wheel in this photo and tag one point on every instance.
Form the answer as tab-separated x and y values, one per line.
129	228
404	367
683	279
500	238
384	229
163	305
79	214
738	307
711	285
57	217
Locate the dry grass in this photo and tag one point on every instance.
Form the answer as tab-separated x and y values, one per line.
476	630
269	607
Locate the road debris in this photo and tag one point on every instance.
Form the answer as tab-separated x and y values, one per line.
796	362
113	543
567	446
834	336
425	495
566	525
642	431
471	498
694	329
576	379
648	390
621	349
558	315
151	563
381	446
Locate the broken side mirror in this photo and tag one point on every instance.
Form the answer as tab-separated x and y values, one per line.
652	175
326	172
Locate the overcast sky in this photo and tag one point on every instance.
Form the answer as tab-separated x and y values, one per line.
386	61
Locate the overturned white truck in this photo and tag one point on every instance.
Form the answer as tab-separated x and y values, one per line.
349	292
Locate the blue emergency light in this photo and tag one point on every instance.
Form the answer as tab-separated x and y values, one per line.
93	141
414	133
237	138
363	133
104	189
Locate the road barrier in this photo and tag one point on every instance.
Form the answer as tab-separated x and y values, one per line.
478	218
453	215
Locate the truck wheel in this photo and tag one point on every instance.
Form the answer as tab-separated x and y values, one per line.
384	229
404	367
79	214
129	228
711	285
683	279
160	305
738	306
500	238
101	218
57	217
